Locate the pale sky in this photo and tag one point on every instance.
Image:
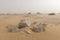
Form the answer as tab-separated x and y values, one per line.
20	6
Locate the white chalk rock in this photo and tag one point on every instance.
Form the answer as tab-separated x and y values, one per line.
28	32
24	23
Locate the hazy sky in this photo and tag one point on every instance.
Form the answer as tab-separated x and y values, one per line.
13	6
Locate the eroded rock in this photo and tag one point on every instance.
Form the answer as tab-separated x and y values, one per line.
40	27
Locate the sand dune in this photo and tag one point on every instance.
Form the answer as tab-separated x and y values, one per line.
52	30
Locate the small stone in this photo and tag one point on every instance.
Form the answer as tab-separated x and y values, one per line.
28	32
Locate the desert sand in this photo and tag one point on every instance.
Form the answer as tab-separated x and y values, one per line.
52	29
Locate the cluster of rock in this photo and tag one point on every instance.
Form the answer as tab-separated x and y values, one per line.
23	23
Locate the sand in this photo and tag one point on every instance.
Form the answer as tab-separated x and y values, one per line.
52	30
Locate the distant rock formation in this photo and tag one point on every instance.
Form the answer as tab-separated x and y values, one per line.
51	14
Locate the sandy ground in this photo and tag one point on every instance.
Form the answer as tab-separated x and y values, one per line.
52	30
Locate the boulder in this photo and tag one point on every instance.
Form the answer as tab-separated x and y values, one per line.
40	27
12	28
24	23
